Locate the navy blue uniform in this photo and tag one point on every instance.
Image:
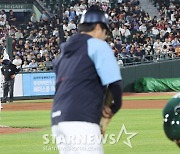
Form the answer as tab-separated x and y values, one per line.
8	70
87	65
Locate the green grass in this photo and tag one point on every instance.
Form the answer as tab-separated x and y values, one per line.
147	123
30	119
129	98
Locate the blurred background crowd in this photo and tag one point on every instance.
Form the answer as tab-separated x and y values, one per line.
136	36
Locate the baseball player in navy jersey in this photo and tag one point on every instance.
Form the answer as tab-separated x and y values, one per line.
84	69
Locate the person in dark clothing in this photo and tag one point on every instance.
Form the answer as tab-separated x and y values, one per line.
12	18
9	71
84	69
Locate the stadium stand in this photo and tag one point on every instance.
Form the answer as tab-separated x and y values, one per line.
136	37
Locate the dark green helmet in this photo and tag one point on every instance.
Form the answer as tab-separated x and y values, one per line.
171	114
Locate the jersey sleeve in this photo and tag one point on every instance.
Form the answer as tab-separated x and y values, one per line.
104	60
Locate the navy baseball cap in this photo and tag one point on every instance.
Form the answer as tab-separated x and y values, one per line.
95	15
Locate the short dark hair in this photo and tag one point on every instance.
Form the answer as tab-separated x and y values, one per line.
88	27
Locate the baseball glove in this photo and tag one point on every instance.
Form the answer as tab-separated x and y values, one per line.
106	113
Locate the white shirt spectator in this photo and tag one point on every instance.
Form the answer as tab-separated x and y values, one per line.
56	32
172	7
71	25
76	7
120	1
126	8
33	18
104	1
116	33
91	1
66	28
143	28
5	55
12	31
120	63
79	12
25	66
82	6
162	33
3	15
157	46
17	61
66	13
172	17
124	31
2	21
155	31
18	34
166	43
43	51
168	29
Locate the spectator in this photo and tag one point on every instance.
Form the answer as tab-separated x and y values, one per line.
44	17
12	18
175	42
33	65
41	66
39	58
56	32
48	64
33	18
17	61
143	28
12	31
116	33
25	66
140	54
155	32
71	25
166	43
65	26
2	14
125	33
177	50
157	46
18	34
72	14
2	21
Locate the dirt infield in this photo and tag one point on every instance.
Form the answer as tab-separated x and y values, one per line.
132	104
9	130
26	106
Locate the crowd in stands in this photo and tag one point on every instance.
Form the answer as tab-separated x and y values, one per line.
35	44
136	37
